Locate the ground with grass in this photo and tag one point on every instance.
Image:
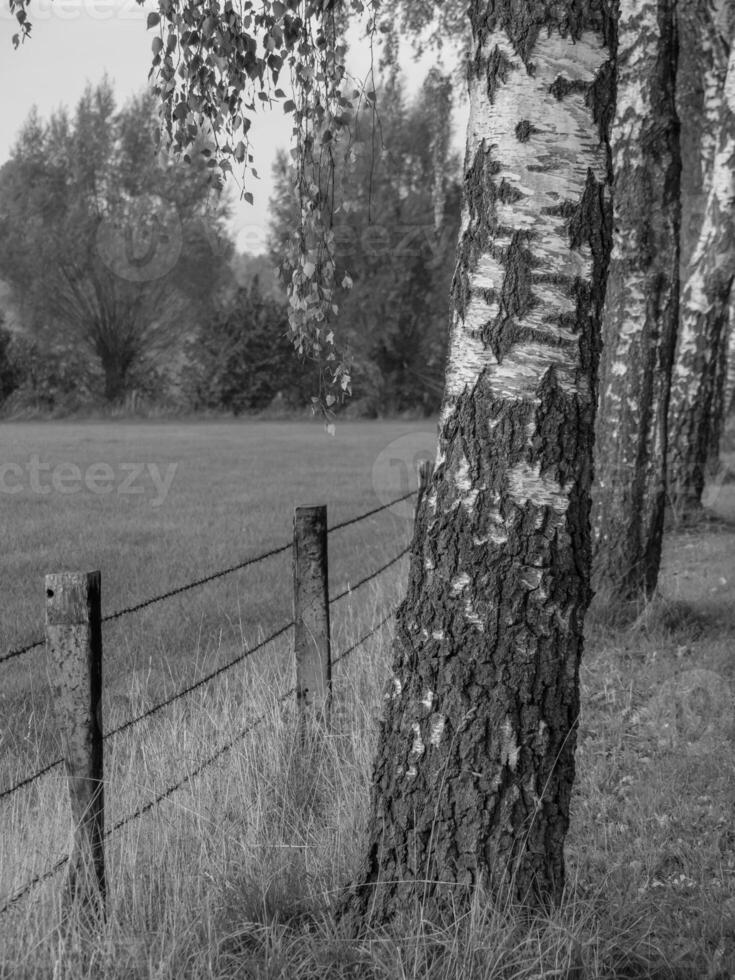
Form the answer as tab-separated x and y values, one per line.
231	496
234	873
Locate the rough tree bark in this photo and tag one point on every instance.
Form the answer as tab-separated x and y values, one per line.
718	410
641	307
475	761
729	397
696	390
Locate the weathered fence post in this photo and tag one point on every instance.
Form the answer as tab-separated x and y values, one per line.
311	614
74	643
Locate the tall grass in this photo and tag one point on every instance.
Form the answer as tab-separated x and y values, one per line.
235	874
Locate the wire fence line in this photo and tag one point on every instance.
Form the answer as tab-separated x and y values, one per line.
27	780
30	779
136	607
248	653
44	876
368	578
375	510
21	650
32	884
143	604
196	583
170	790
157	707
196	772
151	804
373	631
201	682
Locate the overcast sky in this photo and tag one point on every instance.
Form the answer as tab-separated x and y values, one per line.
76	41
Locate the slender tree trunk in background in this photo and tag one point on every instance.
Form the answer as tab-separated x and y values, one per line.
698	370
114	379
475	761
701	71
641	307
718	411
729	398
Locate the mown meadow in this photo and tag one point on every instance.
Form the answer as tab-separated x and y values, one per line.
234	874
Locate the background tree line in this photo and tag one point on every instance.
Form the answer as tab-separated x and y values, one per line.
122	282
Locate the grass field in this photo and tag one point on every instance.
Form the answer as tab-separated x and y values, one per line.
232	495
233	874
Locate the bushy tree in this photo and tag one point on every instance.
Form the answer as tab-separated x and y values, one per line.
241	359
395	228
36	379
107	246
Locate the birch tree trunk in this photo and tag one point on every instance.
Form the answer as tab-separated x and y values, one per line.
696	392
641	307
729	398
719	395
475	761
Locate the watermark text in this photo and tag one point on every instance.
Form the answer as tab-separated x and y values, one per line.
66	478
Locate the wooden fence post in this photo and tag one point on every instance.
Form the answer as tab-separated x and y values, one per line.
74	643
311	614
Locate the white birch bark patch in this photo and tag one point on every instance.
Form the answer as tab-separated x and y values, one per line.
539	133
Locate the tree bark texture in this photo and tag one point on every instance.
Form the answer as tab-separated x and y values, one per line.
475	760
701	69
641	306
729	396
696	389
719	396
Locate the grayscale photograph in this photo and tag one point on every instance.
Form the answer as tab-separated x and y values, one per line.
367	490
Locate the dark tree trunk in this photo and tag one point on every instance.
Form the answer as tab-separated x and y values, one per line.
115	379
719	403
641	307
475	761
116	345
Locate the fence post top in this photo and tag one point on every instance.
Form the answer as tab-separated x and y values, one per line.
309	510
69	579
69	595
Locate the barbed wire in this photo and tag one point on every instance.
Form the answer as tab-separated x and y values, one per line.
34	881
30	779
352	588
151	803
203	680
27	780
373	631
157	707
375	510
19	652
136	607
193	585
195	772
